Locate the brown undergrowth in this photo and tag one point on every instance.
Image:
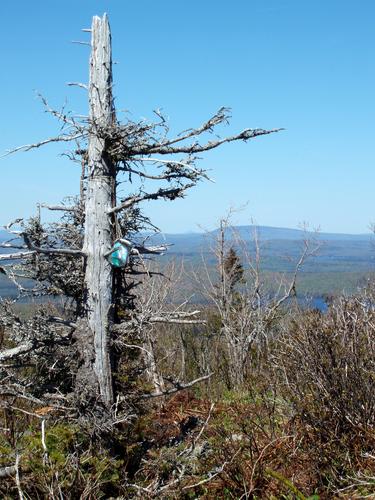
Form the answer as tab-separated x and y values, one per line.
240	447
301	426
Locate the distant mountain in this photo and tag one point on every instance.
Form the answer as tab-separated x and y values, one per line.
247	233
3	236
282	233
276	236
341	263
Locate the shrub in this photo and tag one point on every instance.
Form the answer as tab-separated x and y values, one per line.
327	366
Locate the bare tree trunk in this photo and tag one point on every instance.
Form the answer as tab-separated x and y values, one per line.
152	370
100	198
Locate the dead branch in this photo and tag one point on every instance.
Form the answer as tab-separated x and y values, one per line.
178	321
10	245
307	252
60	115
18	482
79	42
17	351
186	165
177	387
49	251
18	391
210	476
8	227
221	116
63	208
78	84
194	148
16	256
61	321
7	471
59	138
158	250
169	194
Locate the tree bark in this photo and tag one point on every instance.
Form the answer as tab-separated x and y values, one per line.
100	198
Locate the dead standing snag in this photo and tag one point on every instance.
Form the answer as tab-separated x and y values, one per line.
139	153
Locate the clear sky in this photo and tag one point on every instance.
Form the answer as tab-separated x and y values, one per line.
308	66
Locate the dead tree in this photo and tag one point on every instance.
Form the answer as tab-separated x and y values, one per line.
246	310
101	196
100	224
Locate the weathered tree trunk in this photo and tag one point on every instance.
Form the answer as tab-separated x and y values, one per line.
100	197
153	374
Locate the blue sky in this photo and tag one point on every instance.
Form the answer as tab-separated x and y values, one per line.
307	66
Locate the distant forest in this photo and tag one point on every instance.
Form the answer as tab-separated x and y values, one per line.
342	263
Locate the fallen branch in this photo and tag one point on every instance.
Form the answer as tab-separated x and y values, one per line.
16	351
8	471
178	387
61	321
179	321
18	481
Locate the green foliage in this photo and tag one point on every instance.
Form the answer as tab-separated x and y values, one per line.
72	465
233	268
289	486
